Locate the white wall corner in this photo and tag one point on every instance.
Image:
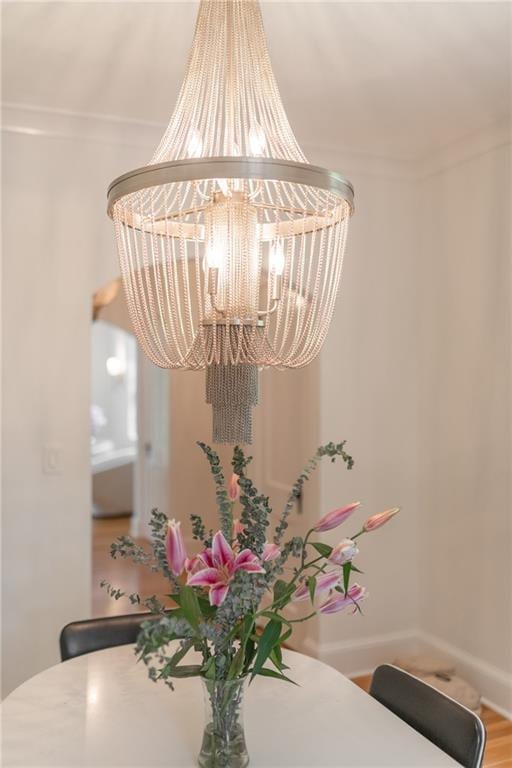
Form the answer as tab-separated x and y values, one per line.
361	656
346	161
496	135
494	684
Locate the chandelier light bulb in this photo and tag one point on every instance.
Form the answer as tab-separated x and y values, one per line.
214	256
230	242
257	140
224	187
195	143
276	258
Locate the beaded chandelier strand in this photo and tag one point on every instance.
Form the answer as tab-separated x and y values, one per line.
231	245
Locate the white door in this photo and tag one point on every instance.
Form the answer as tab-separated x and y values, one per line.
151	476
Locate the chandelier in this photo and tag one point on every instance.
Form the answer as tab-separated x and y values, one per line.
230	243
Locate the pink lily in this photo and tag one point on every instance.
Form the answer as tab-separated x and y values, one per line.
344	552
193	564
324	583
175	548
221	564
233	487
379	519
336	517
270	552
338	601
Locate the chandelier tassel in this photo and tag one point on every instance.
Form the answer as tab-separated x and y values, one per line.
232	391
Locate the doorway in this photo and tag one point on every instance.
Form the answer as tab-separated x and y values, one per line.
129	439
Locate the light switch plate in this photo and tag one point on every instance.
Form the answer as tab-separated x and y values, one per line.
52	459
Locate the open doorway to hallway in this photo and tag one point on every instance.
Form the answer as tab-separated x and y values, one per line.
114	440
129	408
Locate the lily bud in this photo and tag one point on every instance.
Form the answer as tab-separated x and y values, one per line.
339	602
324	583
270	552
193	564
233	488
336	517
175	548
237	528
379	519
344	552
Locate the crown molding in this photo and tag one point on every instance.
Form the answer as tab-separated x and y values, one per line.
497	135
350	162
34	120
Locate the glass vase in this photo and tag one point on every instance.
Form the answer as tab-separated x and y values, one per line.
223	739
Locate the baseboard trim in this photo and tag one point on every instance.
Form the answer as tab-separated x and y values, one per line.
352	656
494	684
359	657
506	713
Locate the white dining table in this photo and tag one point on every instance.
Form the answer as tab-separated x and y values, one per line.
101	709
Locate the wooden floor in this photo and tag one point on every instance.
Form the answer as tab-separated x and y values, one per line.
498	751
132	578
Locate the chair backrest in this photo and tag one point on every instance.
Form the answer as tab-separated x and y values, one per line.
89	635
443	721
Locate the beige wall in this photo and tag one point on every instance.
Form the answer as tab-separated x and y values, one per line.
464	417
57	249
368	395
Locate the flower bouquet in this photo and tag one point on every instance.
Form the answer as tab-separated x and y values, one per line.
230	598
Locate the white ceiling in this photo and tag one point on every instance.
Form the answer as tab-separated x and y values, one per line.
392	79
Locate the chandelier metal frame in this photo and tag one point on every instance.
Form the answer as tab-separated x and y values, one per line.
230	243
197	169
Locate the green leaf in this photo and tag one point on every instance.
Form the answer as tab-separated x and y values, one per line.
207	610
275	616
312	587
266	642
190	606
280	588
276	657
282	591
179	655
208	669
346	575
272	673
356	569
190	670
250	652
322	549
237	664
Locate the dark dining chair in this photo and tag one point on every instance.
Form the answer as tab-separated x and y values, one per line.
443	721
81	637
